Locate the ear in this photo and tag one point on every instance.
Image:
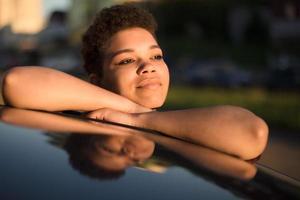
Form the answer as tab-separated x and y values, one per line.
94	79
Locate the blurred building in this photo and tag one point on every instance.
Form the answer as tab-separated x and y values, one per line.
23	16
285	25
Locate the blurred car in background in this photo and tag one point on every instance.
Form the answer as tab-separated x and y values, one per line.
216	73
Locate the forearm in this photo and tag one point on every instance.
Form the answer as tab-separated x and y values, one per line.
226	128
204	157
48	89
54	123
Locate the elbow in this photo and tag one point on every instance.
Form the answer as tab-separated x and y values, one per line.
258	139
261	133
247	173
5	115
252	132
10	84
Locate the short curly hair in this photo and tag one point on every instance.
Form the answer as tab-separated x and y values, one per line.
79	147
106	23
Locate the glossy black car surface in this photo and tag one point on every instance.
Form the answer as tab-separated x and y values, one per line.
66	156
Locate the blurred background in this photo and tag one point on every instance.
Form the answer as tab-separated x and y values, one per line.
238	52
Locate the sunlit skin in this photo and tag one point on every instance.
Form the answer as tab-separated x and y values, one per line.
135	80
134	68
120	152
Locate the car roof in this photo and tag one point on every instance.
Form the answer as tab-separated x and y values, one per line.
41	159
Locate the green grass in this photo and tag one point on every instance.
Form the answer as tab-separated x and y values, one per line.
279	109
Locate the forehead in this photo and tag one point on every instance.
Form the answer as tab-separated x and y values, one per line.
131	38
113	162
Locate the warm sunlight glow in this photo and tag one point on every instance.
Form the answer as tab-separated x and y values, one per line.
24	16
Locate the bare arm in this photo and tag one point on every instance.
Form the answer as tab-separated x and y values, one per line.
226	128
229	129
212	160
48	89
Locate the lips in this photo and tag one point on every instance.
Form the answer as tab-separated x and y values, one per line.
149	83
138	149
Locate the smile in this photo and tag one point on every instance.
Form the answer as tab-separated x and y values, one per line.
149	84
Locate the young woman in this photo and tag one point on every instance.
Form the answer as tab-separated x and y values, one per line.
128	80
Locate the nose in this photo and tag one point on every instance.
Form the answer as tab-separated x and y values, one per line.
145	68
129	152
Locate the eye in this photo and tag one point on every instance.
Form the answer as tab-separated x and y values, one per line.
157	57
126	61
108	150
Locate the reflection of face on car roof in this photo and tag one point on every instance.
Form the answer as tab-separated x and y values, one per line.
93	155
108	153
102	156
114	148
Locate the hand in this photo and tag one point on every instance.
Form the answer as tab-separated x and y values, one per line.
139	109
108	114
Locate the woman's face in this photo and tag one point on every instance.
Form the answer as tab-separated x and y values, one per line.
119	152
134	68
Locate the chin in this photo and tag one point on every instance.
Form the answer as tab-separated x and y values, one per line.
152	104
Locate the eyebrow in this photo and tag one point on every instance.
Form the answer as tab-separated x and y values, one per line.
113	54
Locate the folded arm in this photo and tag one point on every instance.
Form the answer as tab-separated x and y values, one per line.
212	160
229	129
48	89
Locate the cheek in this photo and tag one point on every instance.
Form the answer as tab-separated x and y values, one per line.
114	80
165	75
124	81
109	84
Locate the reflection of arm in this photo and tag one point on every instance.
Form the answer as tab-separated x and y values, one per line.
48	89
226	128
217	162
56	123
